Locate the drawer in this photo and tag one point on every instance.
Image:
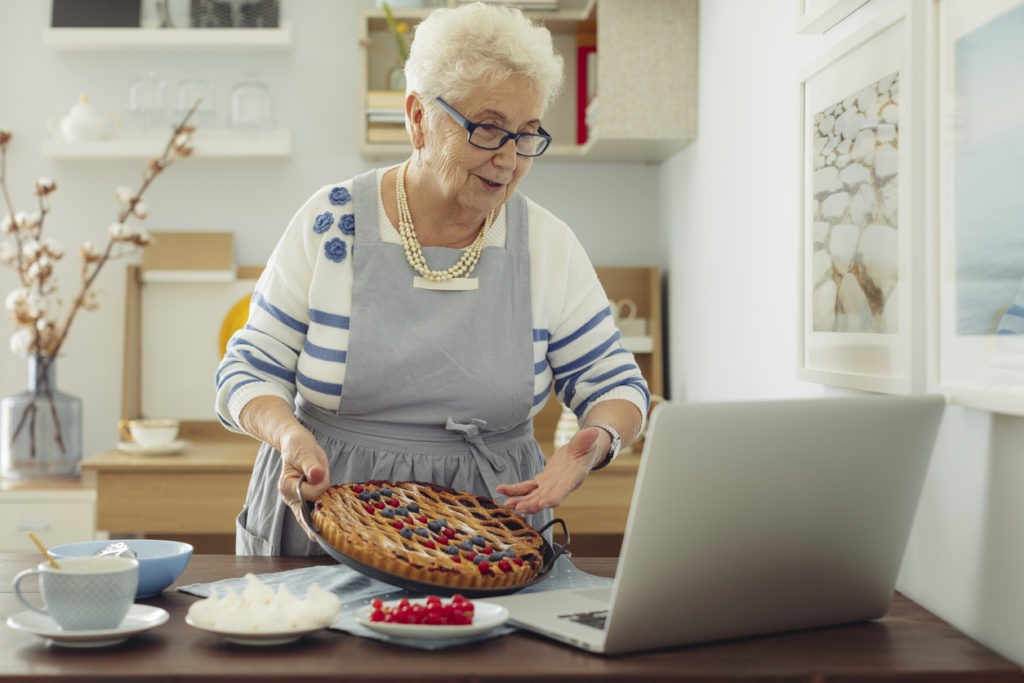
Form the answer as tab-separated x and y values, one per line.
56	518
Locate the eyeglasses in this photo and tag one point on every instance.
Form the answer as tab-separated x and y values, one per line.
486	136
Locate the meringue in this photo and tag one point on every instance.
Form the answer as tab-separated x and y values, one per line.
258	608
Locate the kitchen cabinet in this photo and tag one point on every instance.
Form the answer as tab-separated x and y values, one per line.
596	513
646	81
229	143
57	512
642	286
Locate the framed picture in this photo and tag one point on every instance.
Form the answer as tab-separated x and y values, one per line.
818	16
862	200
980	273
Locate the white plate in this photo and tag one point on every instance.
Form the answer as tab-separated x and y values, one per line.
171	448
140	618
251	638
486	616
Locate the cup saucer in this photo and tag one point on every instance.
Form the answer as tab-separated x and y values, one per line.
140	618
132	448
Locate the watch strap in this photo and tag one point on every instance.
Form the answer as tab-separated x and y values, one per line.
616	444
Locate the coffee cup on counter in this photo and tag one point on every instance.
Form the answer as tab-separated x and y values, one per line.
149	432
624	313
84	593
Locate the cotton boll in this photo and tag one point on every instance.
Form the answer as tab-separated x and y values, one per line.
21	342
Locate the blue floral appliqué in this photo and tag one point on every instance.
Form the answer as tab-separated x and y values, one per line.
347	223
336	249
323	222
339	196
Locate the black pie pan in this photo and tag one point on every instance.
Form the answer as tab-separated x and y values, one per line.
549	553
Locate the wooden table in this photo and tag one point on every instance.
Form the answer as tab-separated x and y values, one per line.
194	495
909	644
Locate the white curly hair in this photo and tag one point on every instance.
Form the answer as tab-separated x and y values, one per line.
456	51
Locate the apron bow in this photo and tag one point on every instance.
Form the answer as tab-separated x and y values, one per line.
471	433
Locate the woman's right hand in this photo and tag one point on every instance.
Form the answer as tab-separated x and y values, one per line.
302	458
270	419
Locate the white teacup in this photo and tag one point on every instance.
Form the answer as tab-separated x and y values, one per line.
624	313
149	432
86	593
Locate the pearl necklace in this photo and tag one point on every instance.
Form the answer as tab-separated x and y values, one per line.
414	250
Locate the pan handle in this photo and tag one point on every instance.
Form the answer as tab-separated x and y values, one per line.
556	548
304	518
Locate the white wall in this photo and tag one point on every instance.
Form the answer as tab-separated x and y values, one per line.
613	208
730	202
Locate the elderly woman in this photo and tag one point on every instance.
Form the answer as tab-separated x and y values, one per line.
411	321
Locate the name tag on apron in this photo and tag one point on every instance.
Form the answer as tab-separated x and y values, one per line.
455	284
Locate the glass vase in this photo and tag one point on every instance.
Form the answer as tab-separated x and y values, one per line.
396	78
40	428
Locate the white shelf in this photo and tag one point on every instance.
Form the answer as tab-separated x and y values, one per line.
568	16
208	143
84	39
638	344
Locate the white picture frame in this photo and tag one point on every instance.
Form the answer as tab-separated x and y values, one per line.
979	351
818	16
862	193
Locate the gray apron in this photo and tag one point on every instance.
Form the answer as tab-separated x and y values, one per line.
438	384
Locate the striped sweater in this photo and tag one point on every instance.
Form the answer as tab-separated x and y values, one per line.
295	339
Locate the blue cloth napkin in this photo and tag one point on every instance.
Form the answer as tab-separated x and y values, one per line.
357	590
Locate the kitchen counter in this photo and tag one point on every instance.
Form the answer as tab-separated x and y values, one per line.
909	643
146	494
193	495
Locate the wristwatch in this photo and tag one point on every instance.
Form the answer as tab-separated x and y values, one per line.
613	450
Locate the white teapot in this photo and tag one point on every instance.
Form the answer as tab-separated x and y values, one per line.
83	122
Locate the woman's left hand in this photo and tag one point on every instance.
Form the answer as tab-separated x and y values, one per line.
564	473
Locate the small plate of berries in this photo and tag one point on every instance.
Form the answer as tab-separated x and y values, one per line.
431	617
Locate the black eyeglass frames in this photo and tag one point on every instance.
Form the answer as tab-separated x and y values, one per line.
486	136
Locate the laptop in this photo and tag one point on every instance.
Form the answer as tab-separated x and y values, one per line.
752	518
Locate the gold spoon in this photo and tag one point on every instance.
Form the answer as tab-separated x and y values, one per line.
39	544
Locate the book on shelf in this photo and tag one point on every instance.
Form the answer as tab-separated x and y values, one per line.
385	116
586	89
385	99
386	132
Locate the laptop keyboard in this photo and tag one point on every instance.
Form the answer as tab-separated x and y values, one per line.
596	619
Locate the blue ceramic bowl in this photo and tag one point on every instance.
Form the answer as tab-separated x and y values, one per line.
160	562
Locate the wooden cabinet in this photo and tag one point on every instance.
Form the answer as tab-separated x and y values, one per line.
596	513
642	286
646	81
56	512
